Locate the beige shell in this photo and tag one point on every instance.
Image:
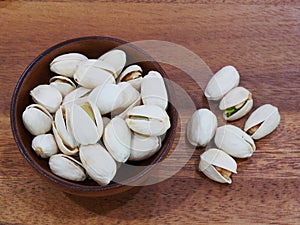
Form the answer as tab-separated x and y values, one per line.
44	145
201	127
66	167
36	119
47	96
222	82
234	141
133	75
116	58
93	73
116	138
214	161
153	90
143	147
263	121
67	64
98	163
63	84
240	98
78	95
150	120
123	114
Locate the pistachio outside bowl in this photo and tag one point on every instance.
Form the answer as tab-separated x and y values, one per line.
38	72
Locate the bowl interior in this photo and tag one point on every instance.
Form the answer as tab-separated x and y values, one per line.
38	72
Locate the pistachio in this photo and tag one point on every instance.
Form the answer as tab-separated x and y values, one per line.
78	95
116	58
133	75
44	145
217	165
63	84
263	121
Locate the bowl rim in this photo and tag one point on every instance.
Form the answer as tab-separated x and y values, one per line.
70	184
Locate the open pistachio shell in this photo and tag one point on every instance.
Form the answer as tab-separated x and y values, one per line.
217	165
133	75
153	90
67	64
236	103
222	82
66	167
116	138
76	96
137	102
116	58
44	145
234	141
36	119
263	121
98	163
63	84
201	127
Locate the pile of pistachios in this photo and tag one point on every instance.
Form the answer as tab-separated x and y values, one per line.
231	142
95	114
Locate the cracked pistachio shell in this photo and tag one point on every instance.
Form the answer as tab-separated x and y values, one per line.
44	145
133	75
116	58
150	120
36	119
86	123
222	82
78	95
47	96
238	97
143	147
67	64
62	133
63	84
93	73
66	167
98	163
214	159
201	127
234	141
153	90
125	112
263	121
116	138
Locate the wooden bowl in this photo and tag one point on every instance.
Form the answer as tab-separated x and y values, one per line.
38	72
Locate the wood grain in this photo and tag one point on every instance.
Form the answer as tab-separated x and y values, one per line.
260	38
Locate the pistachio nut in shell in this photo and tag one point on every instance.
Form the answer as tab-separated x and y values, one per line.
117	138
137	102
67	64
78	95
36	119
201	127
153	90
44	145
133	75
234	141
66	167
222	82
98	163
236	103
47	96
217	165
63	84
150	120
143	147
263	121
116	58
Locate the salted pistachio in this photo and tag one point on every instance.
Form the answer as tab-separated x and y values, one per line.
116	138
78	95
222	82
116	58
86	123
153	90
67	64
133	75
263	121
67	167
36	119
44	145
150	120
62	132
63	84
236	103
217	165
92	73
234	141
98	163
47	96
143	147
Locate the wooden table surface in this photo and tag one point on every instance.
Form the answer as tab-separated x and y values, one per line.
260	38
